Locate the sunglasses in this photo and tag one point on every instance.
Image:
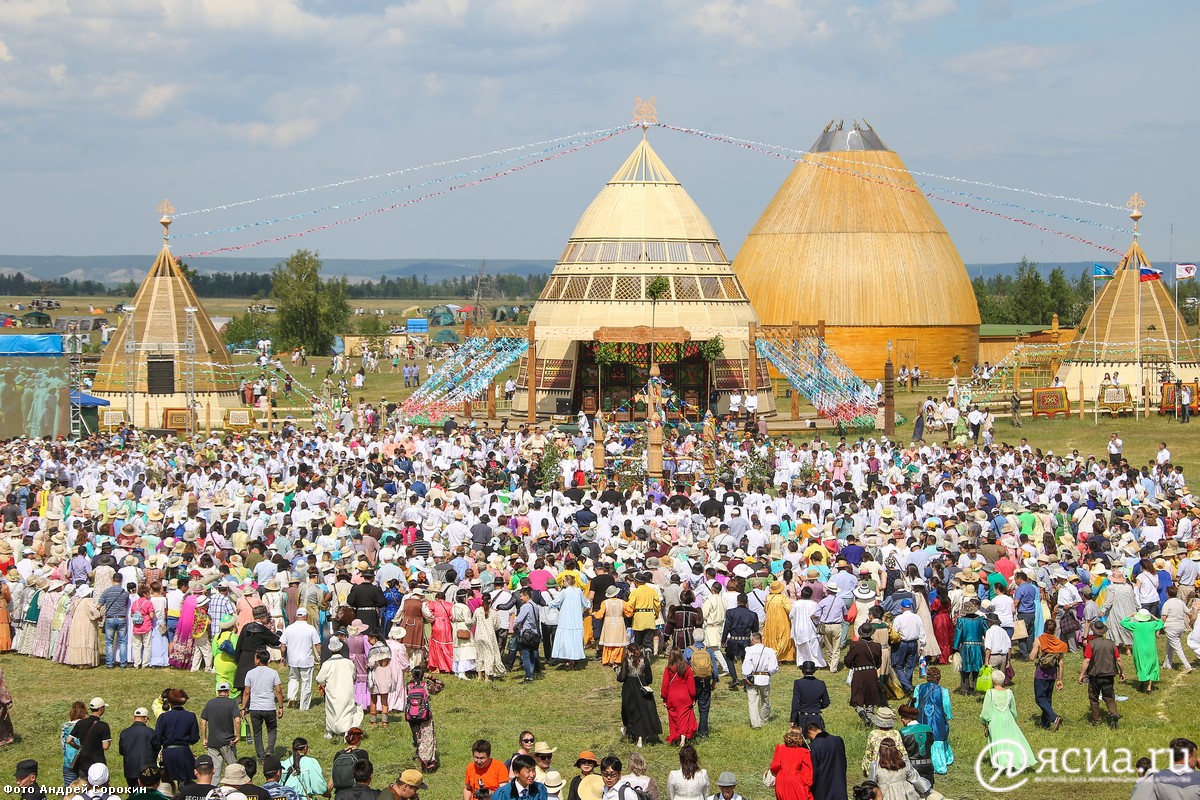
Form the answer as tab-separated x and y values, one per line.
610	774
527	741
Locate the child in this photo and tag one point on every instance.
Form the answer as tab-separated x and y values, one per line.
380	681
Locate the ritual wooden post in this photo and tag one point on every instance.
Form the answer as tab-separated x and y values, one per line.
654	428
1081	397
598	445
467	334
795	391
208	418
491	389
146	419
752	378
889	395
531	374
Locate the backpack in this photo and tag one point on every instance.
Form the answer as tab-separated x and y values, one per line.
638	794
343	769
1048	661
416	706
702	665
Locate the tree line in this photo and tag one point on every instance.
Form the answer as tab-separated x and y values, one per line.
1027	298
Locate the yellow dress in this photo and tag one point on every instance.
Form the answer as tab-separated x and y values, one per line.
777	632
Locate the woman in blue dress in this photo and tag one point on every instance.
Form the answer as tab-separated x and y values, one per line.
568	638
968	641
933	708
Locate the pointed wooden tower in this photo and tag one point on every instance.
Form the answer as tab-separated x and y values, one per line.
1132	328
167	351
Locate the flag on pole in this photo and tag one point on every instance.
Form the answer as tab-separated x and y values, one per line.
1149	274
1185	271
1101	272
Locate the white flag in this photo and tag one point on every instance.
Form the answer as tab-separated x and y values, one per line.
1185	271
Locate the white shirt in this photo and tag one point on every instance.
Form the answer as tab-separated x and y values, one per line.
760	659
1003	607
910	627
299	638
996	641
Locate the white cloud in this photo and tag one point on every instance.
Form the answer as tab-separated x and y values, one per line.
57	74
154	100
5	54
1006	63
907	12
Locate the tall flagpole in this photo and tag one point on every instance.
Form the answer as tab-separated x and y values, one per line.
1136	204
1095	353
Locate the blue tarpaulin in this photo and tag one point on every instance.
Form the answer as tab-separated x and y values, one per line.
47	344
86	400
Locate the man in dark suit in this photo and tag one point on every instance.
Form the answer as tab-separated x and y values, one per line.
740	622
829	763
809	697
138	747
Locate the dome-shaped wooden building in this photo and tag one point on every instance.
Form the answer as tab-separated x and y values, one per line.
849	238
594	316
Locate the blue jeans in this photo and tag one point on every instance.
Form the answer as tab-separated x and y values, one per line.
1043	691
904	661
528	659
1025	646
114	642
172	624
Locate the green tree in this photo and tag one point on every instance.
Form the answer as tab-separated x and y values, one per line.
309	311
1029	303
1060	295
249	327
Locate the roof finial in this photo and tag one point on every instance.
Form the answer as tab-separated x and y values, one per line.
166	209
1136	203
644	113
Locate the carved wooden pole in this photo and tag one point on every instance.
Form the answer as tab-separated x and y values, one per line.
531	374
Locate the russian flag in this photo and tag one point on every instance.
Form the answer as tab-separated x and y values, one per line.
1149	274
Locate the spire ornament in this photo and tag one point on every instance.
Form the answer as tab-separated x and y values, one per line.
166	209
1135	204
644	112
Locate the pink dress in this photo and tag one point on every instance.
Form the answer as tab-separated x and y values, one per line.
441	636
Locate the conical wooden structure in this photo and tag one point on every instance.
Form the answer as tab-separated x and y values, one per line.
641	226
1131	328
850	238
157	369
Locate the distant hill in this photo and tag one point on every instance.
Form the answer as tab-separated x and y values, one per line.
118	269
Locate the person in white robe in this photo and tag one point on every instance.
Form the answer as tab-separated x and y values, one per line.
336	679
804	631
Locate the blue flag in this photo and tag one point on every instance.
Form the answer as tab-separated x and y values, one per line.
1101	272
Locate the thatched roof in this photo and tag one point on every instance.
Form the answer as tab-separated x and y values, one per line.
850	238
159	325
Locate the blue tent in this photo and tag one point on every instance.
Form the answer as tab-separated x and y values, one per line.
86	400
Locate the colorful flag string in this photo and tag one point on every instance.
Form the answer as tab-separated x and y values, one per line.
393	173
441	192
410	187
766	148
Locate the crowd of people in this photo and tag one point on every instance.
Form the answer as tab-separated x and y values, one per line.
382	567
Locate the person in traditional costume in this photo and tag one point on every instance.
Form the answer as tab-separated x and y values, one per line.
159	645
464	643
60	619
933	709
47	608
613	634
932	649
81	639
179	652
336	679
968	641
357	648
943	627
177	730
1007	746
398	666
28	614
412	622
6	597
1120	603
864	657
804	630
777	630
488	661
224	651
639	712
7	734
441	636
423	731
679	696
379	661
568	637
1145	627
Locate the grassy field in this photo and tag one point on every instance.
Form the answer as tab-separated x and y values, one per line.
577	711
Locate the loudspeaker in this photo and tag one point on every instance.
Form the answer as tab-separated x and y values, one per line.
160	376
562	405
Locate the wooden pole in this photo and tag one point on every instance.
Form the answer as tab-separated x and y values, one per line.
795	391
1081	404
752	378
468	332
208	417
491	389
146	419
889	396
531	374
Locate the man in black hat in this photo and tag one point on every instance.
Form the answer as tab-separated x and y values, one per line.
27	779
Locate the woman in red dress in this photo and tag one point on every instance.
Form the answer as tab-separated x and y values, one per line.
792	768
943	626
441	633
679	695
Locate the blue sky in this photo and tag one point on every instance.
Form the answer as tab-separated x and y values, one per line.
108	106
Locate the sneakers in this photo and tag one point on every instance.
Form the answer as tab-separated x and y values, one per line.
1057	724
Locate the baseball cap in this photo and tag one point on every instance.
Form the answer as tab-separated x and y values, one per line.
272	764
97	775
97	703
26	768
413	778
301	612
222	687
140	711
205	761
